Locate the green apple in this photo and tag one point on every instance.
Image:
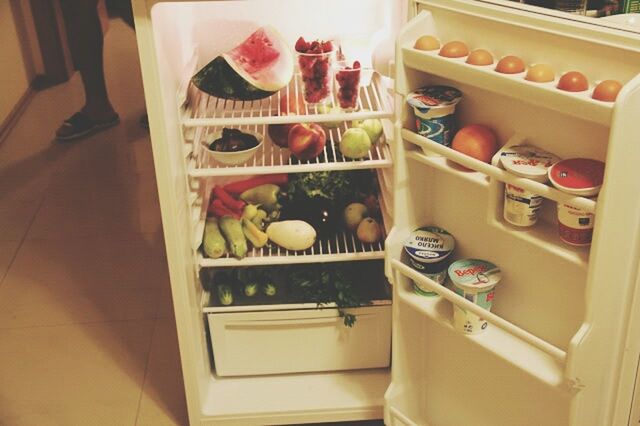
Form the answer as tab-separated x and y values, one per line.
355	143
353	215
372	126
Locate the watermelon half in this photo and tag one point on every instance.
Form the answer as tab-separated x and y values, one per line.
257	68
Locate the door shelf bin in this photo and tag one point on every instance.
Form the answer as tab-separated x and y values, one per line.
299	340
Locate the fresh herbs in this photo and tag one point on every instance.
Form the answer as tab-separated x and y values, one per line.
338	187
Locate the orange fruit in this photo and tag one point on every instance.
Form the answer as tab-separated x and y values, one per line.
477	141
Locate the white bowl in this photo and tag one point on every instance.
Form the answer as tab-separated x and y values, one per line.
232	158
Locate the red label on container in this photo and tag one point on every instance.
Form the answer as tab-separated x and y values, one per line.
578	173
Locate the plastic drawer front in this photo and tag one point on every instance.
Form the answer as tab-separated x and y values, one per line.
293	341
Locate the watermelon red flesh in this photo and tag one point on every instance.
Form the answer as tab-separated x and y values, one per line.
255	69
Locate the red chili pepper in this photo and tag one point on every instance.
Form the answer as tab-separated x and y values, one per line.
218	209
237	188
230	202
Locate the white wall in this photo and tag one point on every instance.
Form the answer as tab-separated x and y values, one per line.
13	78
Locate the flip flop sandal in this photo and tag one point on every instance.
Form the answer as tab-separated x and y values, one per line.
79	125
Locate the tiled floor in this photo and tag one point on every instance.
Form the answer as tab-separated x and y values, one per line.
86	324
86	329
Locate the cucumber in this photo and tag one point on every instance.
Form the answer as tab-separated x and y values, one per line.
225	294
213	242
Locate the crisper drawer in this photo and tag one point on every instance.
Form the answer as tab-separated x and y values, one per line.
304	340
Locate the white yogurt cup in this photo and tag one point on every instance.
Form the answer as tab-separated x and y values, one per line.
434	108
475	280
428	248
520	205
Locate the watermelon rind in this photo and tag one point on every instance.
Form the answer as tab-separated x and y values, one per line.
218	79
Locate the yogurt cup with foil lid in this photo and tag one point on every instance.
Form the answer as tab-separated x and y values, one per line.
528	161
578	176
473	279
429	244
434	108
474	275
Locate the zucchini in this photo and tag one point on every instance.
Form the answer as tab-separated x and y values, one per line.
232	230
213	242
225	294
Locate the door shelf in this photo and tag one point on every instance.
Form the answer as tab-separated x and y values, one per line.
443	164
546	95
206	110
272	159
520	348
495	172
341	248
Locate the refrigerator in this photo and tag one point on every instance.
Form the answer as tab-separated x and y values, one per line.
562	345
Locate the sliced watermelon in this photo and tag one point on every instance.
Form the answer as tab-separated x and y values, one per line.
257	68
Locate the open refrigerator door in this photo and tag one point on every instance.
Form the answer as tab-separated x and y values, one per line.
550	348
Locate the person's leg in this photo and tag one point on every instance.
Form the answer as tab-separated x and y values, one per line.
86	44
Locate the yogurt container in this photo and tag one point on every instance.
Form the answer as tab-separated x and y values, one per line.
475	280
578	176
434	108
520	205
428	249
575	225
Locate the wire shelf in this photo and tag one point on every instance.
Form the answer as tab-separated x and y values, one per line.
205	110
270	158
341	247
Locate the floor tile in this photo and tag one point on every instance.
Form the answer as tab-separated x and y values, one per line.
163	402
15	218
8	251
136	260
73	375
99	213
25	303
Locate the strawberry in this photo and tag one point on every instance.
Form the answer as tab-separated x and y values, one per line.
301	45
327	46
356	65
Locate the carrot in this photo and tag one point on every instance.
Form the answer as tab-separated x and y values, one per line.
218	209
237	188
230	202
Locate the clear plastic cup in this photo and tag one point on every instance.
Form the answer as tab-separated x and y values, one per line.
348	85
317	78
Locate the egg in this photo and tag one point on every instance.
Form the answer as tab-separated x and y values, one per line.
480	57
427	42
573	81
540	73
510	65
607	90
454	49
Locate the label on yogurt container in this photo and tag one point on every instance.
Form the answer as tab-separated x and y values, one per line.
438	129
528	161
429	244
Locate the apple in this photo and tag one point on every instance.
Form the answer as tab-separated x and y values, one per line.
279	134
290	105
355	143
326	109
306	140
372	126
